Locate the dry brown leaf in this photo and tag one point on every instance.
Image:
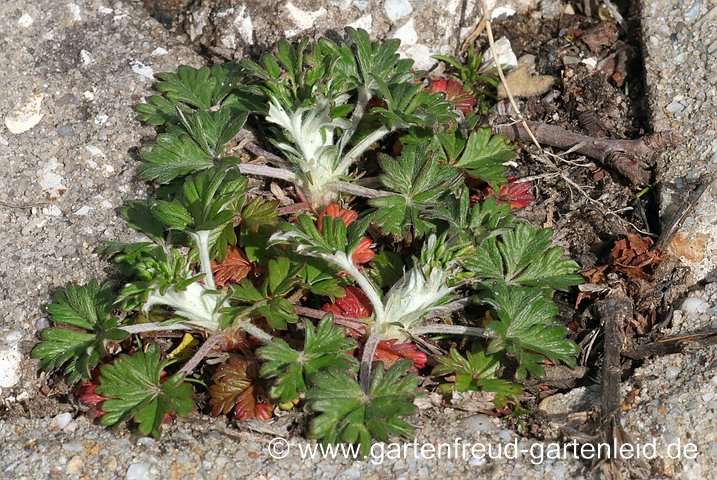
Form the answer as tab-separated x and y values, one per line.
233	269
523	84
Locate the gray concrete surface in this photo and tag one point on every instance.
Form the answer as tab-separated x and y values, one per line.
63	178
230	27
680	47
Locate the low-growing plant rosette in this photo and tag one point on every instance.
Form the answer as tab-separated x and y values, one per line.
331	279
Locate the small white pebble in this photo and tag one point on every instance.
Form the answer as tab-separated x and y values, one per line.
26	115
397	9
138	471
694	305
72	446
82	211
52	211
10	359
145	441
25	20
95	151
86	57
63	419
142	70
158	52
22	397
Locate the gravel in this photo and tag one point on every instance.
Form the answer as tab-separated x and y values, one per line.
680	39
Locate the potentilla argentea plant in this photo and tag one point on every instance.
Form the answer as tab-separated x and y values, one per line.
314	281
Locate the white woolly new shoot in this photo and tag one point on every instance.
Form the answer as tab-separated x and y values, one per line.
315	151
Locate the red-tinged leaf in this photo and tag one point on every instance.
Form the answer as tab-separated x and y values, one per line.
233	269
354	304
263	411
518	195
237	386
87	396
348	216
363	253
455	93
390	351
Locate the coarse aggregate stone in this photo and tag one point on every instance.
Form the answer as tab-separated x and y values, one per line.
92	61
63	179
680	48
233	28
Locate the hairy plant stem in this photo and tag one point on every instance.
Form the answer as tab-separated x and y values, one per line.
369	350
356	324
153	327
345	263
201	352
361	147
264	171
449	308
202	239
362	99
358	190
256	332
447	329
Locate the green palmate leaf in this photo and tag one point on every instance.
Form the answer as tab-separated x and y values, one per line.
268	299
526	330
189	85
524	257
379	60
205	208
87	308
259	212
409	104
278	313
325	345
333	241
211	130
348	415
477	222
321	278
484	156
139	216
477	371
452	143
135	390
158	111
420	184
386	268
173	156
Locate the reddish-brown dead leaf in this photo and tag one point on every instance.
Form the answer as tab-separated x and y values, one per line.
237	386
390	351
233	269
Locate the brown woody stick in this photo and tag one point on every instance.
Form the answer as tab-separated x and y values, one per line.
631	158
